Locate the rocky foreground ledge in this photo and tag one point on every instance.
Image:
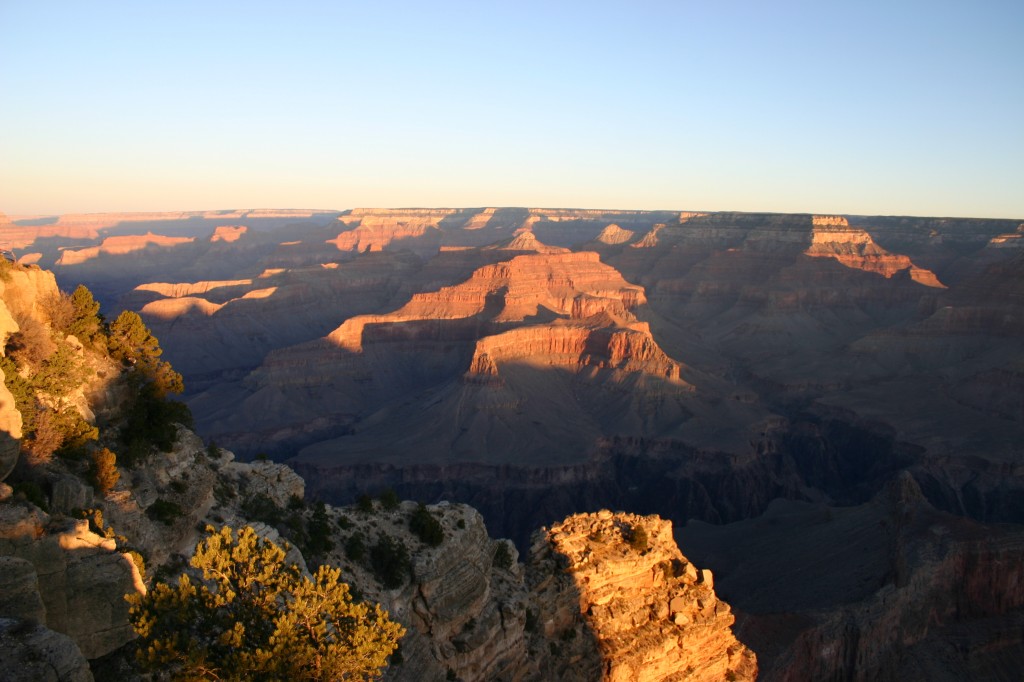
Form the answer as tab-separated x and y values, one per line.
604	596
618	584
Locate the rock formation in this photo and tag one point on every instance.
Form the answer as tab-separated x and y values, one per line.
613	234
33	653
834	238
81	577
619	582
228	233
119	246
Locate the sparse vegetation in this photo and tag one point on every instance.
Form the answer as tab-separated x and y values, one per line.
502	557
636	537
389	560
389	500
261	508
164	511
427	528
355	547
103	470
252	616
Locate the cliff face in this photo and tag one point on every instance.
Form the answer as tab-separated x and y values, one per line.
618	582
834	238
911	578
79	577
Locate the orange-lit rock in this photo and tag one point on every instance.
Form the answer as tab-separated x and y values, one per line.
374	229
618	581
514	290
613	234
853	247
228	233
117	246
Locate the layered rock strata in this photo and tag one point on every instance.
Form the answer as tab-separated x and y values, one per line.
833	237
119	246
618	582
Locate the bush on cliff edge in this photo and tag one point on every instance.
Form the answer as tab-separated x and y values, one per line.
254	617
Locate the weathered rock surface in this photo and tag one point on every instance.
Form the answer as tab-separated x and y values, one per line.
618	582
462	612
853	247
82	578
228	233
33	653
19	590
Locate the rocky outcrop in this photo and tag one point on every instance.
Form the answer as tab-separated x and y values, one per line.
161	505
82	578
463	611
119	246
526	241
33	653
618	582
601	341
228	233
19	590
10	430
613	234
853	247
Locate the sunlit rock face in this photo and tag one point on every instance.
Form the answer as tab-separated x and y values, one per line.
81	578
625	605
834	238
120	246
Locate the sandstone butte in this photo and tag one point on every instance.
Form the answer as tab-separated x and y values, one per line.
228	233
520	288
832	237
598	328
653	615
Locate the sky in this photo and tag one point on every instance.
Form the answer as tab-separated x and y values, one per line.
871	108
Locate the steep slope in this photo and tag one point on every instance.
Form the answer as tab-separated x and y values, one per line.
565	311
909	580
619	582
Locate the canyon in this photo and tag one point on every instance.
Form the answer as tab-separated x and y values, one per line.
828	408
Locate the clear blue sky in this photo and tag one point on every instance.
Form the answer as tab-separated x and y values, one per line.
847	107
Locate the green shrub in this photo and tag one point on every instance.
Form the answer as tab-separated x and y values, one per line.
260	507
318	532
389	560
389	500
426	527
139	562
364	503
103	470
636	536
255	617
355	547
164	511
